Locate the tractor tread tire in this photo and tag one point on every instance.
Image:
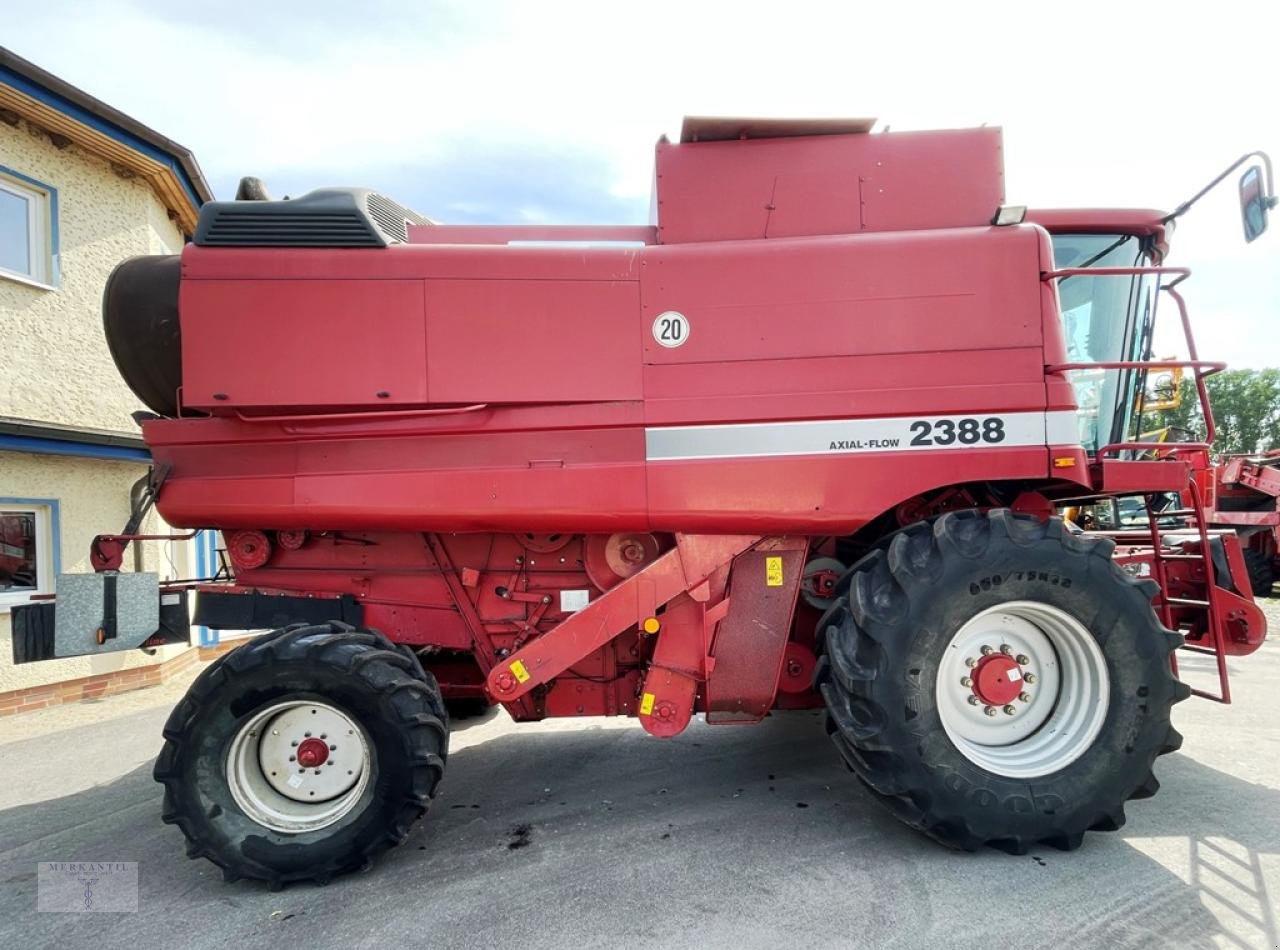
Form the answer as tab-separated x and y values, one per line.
1261	572
880	704
414	743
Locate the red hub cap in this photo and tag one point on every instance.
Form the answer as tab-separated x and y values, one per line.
997	680
312	753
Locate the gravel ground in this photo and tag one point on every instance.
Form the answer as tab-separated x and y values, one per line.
590	833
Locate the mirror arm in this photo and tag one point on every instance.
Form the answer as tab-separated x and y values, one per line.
1270	182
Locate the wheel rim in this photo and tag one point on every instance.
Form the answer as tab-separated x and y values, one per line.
1022	689
298	766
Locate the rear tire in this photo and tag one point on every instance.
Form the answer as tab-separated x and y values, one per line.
232	746
896	646
1261	571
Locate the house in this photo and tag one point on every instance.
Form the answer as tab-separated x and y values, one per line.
82	187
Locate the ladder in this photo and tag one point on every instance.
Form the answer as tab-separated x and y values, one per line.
1213	619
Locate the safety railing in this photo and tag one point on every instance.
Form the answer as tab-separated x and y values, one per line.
1202	368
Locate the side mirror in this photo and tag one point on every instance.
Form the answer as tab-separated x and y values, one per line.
1254	203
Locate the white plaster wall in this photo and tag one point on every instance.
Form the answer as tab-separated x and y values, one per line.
93	499
56	366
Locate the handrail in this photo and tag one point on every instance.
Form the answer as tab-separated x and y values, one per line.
1064	272
1214	366
1144	446
1203	368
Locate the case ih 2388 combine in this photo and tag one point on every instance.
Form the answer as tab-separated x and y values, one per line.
798	444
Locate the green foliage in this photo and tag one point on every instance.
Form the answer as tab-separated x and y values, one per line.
1246	408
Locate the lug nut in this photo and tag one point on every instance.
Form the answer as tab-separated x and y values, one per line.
1010	710
966	681
1022	659
990	710
1024	697
970	661
973	700
1005	648
986	650
1029	677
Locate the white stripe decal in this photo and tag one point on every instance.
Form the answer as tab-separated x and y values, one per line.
858	436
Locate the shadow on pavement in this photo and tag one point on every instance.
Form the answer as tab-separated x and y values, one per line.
746	836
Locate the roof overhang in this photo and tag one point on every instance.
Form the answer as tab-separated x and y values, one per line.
1140	222
72	115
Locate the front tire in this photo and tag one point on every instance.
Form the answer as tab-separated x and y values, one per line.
996	680
303	754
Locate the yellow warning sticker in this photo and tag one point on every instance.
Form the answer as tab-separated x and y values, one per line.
773	572
519	672
646	704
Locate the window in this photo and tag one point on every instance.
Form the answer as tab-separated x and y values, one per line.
27	550
26	229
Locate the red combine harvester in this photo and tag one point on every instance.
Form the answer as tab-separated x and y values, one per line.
799	443
1241	495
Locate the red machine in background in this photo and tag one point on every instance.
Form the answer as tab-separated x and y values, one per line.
1241	494
798	443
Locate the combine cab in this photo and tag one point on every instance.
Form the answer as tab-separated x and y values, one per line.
801	443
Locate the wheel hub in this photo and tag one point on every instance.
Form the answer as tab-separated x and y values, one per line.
298	765
1022	689
312	753
997	680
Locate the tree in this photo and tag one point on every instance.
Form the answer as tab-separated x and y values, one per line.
1246	409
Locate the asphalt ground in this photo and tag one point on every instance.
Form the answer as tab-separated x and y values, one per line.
590	833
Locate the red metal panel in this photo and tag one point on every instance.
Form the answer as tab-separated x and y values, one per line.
532	340
365	343
1006	380
876	294
731	190
407	261
749	642
817	494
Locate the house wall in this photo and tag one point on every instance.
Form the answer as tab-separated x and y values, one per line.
93	498
55	367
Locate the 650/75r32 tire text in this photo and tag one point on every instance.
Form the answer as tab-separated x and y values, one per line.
303	754
996	680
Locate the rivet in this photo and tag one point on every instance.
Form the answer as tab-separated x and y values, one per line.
275	732
990	710
1029	677
1022	659
1024	697
1010	710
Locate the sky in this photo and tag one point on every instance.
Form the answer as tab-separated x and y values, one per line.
546	111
